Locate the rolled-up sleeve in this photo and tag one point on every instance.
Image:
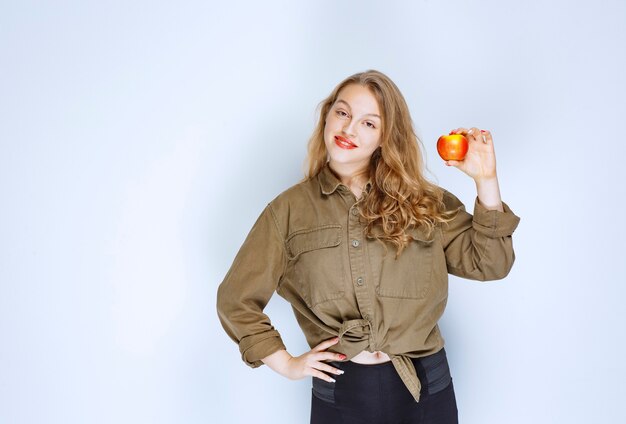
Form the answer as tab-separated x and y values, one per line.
479	246
247	288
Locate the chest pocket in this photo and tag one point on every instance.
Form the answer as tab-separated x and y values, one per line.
318	266
409	276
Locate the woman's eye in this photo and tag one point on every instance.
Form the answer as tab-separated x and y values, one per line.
372	125
340	112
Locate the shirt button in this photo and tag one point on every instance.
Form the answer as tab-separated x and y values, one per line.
359	281
355	211
355	243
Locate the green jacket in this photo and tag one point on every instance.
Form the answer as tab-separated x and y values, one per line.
308	246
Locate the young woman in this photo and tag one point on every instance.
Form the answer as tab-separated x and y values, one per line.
362	248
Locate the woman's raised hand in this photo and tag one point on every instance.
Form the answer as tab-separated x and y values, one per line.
480	160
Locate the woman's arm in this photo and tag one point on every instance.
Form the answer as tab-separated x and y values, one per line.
480	165
479	246
489	193
278	360
247	288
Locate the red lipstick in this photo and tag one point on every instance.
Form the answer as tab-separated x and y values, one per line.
344	143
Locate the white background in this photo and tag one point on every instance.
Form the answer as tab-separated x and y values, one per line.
140	141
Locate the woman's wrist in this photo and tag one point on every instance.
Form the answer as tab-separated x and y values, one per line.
278	361
488	191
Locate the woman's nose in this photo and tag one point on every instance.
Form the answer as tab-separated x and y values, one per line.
348	128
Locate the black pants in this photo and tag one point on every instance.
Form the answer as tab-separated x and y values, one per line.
375	394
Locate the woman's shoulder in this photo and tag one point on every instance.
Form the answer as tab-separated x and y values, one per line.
299	194
440	192
294	204
450	199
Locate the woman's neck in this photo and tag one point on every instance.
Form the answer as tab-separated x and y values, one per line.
353	179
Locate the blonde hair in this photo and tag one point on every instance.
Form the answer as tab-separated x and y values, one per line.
400	197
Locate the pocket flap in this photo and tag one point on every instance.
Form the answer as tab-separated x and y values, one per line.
313	238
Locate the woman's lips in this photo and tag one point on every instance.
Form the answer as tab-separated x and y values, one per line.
344	143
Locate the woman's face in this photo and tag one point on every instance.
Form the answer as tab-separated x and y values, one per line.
353	128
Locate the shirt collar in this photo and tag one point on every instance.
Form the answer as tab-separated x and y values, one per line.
329	182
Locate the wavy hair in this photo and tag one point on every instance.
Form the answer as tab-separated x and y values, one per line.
400	197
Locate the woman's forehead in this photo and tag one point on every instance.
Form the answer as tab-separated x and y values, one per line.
359	97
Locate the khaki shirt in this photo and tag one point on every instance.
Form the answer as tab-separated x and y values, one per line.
308	246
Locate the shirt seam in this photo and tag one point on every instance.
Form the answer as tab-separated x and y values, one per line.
282	238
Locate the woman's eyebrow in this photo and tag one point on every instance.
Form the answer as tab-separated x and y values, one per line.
367	114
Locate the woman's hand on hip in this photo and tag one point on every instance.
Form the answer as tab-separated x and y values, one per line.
310	363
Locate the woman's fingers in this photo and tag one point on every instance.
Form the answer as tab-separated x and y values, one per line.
474	134
325	344
319	354
325	355
322	376
318	367
487	136
326	367
330	356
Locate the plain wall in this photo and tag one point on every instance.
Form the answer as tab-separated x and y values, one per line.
140	140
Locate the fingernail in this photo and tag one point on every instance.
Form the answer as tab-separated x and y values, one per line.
343	356
341	371
483	131
452	132
333	380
